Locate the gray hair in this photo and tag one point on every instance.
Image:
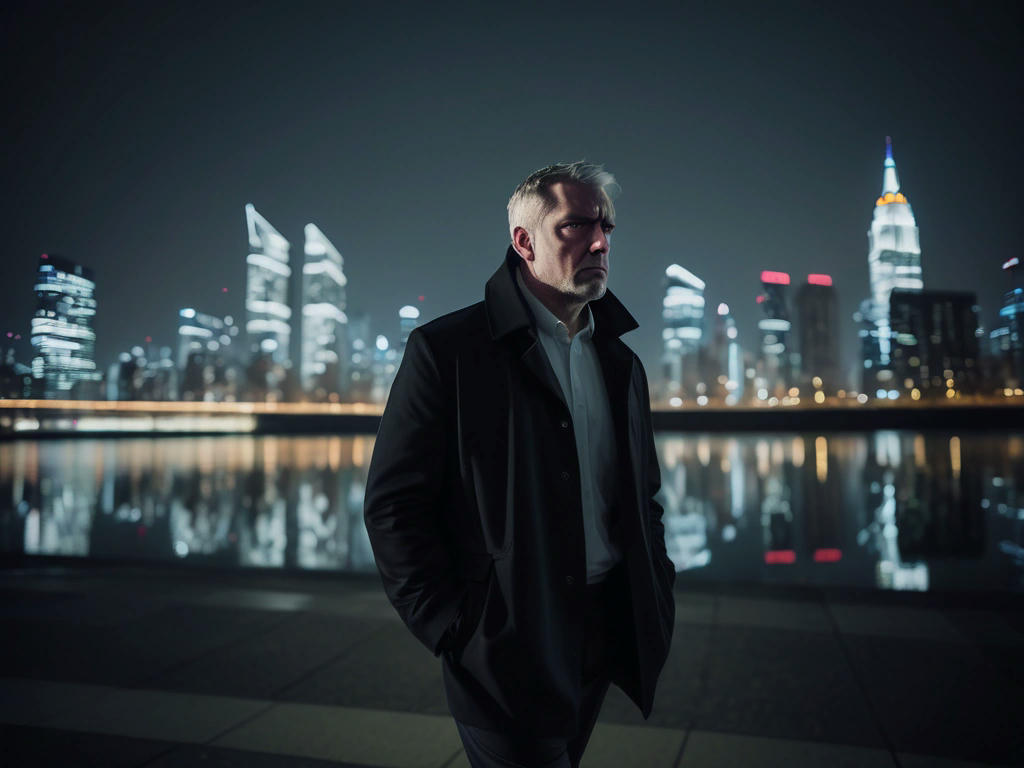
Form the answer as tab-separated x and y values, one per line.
532	200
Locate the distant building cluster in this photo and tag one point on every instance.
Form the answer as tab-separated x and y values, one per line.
915	343
216	358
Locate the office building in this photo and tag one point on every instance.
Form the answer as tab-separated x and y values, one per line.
268	316
360	359
779	361
1008	338
64	365
408	319
817	328
324	322
683	331
935	344
722	359
208	356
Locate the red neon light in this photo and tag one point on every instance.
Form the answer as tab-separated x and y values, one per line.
819	279
760	299
45	256
778	278
780	557
421	298
827	555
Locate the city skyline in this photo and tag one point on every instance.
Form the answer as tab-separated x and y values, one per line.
742	168
319	357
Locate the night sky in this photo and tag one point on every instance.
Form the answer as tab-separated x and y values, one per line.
744	137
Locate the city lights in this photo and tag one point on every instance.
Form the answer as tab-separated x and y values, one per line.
906	335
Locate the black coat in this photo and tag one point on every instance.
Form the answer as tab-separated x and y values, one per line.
473	511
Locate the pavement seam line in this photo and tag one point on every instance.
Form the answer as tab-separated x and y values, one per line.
240	723
310	672
439	718
862	687
210	651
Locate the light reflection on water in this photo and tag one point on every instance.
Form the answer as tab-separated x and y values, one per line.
895	510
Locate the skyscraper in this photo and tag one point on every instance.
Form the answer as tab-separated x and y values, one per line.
935	343
894	261
777	365
408	319
207	356
324	321
266	290
817	326
722	360
1009	337
683	316
62	332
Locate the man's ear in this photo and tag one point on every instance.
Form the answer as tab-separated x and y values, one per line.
522	243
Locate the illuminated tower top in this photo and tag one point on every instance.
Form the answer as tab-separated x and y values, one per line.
890	180
894	250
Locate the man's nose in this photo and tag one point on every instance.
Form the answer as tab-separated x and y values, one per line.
598	239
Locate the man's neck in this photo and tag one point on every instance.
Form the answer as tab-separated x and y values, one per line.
571	314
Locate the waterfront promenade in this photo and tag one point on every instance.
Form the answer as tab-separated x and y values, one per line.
131	666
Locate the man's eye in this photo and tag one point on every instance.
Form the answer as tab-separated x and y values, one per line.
573	225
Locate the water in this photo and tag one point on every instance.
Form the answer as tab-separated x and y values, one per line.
891	510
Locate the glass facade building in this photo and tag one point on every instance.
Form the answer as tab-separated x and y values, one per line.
818	331
207	356
935	344
268	315
776	364
723	374
324	323
62	332
683	317
1008	338
408	319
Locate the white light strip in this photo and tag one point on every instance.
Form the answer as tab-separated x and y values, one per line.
260	260
319	267
274	308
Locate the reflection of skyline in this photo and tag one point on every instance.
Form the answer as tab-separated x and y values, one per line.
887	510
233	502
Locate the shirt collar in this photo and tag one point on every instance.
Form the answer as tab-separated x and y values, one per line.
546	321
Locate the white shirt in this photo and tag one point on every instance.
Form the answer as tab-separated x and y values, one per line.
578	371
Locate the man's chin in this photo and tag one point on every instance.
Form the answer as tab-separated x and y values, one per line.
593	289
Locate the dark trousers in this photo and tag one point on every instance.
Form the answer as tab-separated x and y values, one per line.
603	645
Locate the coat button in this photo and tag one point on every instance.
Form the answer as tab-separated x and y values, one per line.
565	475
570	580
565	423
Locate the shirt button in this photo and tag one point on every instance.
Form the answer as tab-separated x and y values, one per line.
565	424
570	580
565	475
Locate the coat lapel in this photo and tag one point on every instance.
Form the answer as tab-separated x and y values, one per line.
509	316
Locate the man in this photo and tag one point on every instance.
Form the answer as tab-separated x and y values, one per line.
510	499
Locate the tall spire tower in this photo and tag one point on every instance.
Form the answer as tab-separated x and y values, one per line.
894	255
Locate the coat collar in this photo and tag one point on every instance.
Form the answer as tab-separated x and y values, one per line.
507	310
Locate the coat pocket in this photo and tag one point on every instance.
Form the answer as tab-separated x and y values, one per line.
475	569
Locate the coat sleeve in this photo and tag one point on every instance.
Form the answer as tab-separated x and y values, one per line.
403	507
654	509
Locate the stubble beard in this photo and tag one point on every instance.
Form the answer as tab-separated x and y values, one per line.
590	289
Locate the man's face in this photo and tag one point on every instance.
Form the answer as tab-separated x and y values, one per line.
570	244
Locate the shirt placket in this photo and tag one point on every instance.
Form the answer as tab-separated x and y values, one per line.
580	420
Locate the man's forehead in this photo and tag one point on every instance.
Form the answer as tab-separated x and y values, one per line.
580	199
